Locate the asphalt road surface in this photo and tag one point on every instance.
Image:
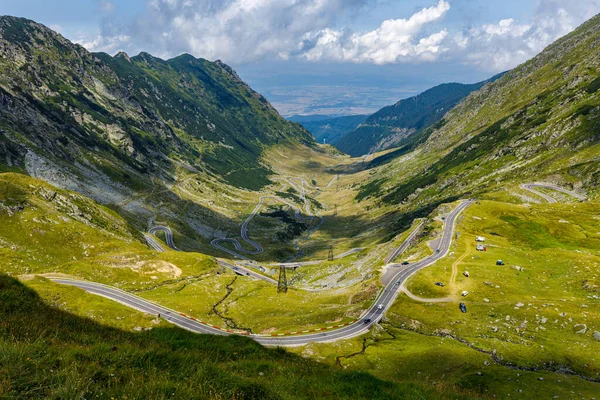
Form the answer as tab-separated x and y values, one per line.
240	270
168	235
153	243
244	229
368	319
531	187
300	188
404	245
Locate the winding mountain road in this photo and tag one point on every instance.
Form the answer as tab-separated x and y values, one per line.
325	334
240	270
168	235
531	188
258	249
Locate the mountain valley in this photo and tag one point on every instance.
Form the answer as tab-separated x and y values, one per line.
236	256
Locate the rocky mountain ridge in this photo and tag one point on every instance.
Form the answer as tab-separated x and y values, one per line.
129	118
391	125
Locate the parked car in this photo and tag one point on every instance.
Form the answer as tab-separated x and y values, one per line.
499	262
405	263
462	307
439	284
464	293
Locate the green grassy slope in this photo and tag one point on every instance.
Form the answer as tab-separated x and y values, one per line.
47	230
532	310
538	122
47	353
532	325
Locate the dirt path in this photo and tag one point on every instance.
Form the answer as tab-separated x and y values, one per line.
452	283
455	268
424	300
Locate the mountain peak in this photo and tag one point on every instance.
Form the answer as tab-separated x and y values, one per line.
148	58
188	56
20	30
123	55
10	19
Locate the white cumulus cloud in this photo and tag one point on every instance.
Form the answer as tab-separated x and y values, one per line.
234	30
241	31
393	41
504	45
107	44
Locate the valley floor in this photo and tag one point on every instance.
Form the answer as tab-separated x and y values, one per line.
531	324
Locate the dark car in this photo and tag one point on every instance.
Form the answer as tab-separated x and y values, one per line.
439	284
462	307
366	321
405	263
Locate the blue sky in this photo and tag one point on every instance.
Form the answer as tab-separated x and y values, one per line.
323	56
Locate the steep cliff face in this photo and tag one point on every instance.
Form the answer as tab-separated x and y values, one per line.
540	121
122	120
